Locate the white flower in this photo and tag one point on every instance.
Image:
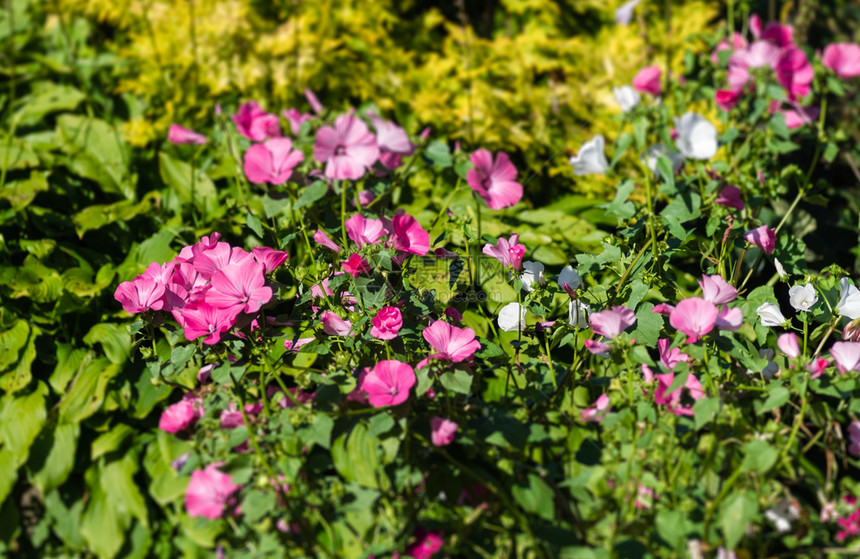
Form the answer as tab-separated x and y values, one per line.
532	271
512	317
802	297
626	97
770	315
697	138
569	276
779	269
577	313
783	514
849	300
624	14
590	160
653	153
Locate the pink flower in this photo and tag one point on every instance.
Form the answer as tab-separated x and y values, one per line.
648	80
854	437
393	141
601	349
778	34
408	235
387	323
203	319
290	345
347	149
507	251
843	59
388	384
455	315
325	241
846	355
717	290
240	287
494	181
738	42
180	135
452	343
663	308
727	99
364	231
314	102
672	401
787	343
270	258
139	295
232	417
333	325
443	431
695	317
355	265
208	492
730	197
763	237
181	415
794	73
729	320
426	544
256	124
798	116
295	118
272	161
597	412
670	358
211	260
611	322
817	367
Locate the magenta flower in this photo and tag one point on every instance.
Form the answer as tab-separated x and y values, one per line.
208	492
729	320
494	181
387	323
443	431
180	135
794	73
140	295
663	308
730	197
452	343
670	357
843	59
817	367
388	384
181	415
695	317
272	161
295	118
787	343
507	251
763	237
210	261
407	235
716	290
355	265
240	287
647	80
778	34
846	355
325	241
333	325
426	544
611	322
738	42
672	401
597	412
202	319
364	231
256	124
232	417
393	142
347	149
270	258
726	99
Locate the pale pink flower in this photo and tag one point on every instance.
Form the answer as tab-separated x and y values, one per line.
177	134
333	325
763	237
295	118
695	317
843	59
670	357
347	149
787	343
388	384
140	295
256	124
355	265
507	251
208	492
387	323
846	355
647	80
672	401
495	181
738	42
393	142
364	231
611	322
181	415
600	349
716	290
647	374
314	102
624	14
270	258
443	431
272	161
290	345
232	417
663	308
797	116
730	197
597	412
450	342
407	235
202	319
729	320
240	287
325	241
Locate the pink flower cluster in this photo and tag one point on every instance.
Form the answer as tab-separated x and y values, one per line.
697	316
207	288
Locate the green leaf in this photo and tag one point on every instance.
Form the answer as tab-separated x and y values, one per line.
96	151
110	441
759	457
648	325
115	341
777	396
620	207
257	503
535	497
312	193
736	515
16	155
47	97
253	223
21	193
456	381
8	472
56	449
704	411
11	343
86	396
21	420
96	217
672	526
191	185
356	458
20	376
439	154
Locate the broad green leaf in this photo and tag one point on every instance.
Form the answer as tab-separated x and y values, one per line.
535	497
8	472
704	411
356	458
19	377
16	155
86	395
56	448
759	457
96	151
96	217
69	362
114	339
648	325
310	194
456	381
11	343
21	420
21	193
110	441
672	527
737	513
777	395
47	97
439	154
192	186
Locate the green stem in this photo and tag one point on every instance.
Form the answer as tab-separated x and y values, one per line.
343	213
